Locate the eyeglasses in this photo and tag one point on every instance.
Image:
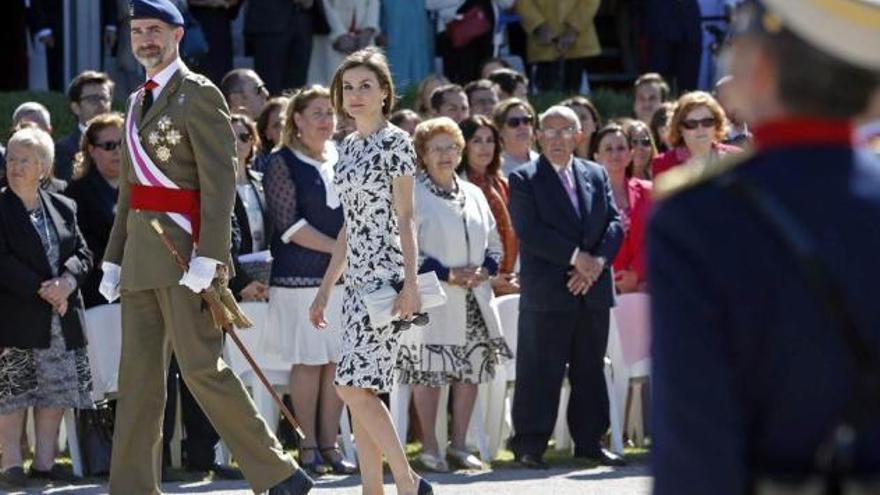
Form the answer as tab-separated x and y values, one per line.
108	145
646	142
691	124
261	89
244	137
566	133
419	320
442	150
518	121
95	99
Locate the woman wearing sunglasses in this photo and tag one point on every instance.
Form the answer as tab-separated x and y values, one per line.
462	344
250	208
696	132
515	119
94	188
633	199
643	148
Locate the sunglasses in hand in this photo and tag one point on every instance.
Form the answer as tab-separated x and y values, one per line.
418	319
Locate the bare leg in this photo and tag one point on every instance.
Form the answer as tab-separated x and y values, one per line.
376	422
330	408
427	401
304	389
10	438
464	396
47	421
369	459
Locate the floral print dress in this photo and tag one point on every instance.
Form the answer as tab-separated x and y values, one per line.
364	175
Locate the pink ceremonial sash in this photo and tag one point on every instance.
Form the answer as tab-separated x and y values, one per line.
146	171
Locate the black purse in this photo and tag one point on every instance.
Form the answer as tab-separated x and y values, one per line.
96	437
835	458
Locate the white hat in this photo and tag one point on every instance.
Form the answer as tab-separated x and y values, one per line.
846	29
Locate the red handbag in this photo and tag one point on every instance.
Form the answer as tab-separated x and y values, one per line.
472	24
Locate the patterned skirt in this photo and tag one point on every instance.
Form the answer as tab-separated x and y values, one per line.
438	365
45	378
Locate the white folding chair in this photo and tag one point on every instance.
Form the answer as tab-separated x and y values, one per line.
276	371
628	351
103	333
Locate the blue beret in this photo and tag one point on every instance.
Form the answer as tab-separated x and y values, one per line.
164	10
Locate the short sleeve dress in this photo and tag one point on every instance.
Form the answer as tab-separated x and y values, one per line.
364	175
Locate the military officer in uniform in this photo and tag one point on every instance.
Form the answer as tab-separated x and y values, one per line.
763	271
178	167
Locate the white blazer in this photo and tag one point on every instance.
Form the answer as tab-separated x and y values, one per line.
455	238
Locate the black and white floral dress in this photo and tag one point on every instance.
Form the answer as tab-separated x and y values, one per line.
364	175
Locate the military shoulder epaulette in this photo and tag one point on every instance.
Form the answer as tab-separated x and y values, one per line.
198	79
693	174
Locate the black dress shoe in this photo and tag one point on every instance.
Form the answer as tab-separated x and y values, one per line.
55	473
299	483
531	461
13	477
226	472
425	488
601	456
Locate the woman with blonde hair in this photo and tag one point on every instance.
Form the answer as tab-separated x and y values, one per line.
307	215
696	132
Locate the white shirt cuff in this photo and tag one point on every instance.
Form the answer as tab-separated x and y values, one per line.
200	274
285	237
43	32
109	287
574	256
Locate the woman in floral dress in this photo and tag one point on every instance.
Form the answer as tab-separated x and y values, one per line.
374	181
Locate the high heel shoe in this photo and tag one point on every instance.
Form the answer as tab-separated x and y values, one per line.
336	461
424	488
316	466
433	463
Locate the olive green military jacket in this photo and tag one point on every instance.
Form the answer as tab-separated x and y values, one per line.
188	135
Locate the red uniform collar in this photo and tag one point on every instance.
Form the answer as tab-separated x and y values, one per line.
803	131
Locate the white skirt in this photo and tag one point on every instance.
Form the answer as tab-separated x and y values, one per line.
290	336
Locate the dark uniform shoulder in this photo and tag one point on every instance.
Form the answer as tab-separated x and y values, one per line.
696	174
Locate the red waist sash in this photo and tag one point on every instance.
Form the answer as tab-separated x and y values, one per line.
183	201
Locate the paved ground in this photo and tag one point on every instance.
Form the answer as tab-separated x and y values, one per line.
632	480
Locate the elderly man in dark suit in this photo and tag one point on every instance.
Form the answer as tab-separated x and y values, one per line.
90	93
569	230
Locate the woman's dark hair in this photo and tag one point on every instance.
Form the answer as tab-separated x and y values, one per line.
271	107
248	124
608	130
371	58
469	128
661	118
83	161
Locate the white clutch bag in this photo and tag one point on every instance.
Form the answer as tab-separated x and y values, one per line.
381	301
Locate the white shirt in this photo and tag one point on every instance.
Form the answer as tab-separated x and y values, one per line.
164	76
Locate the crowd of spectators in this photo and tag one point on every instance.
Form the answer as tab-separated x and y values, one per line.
472	127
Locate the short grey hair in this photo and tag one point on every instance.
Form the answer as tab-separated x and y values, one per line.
560	111
37	140
32	108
